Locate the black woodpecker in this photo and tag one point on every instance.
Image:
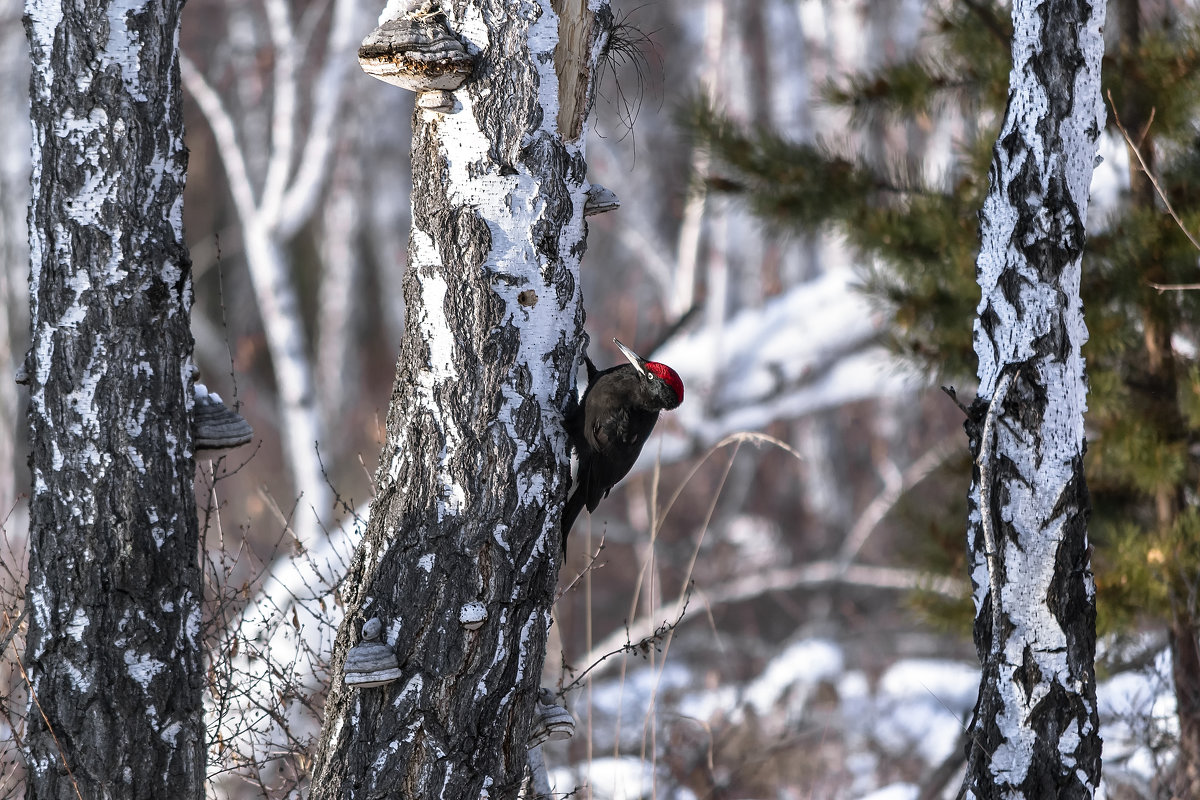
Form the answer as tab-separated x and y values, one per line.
613	420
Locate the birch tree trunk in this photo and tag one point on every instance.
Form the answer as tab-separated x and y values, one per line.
114	583
1035	731
465	521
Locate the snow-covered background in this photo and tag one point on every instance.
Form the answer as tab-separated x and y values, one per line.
771	504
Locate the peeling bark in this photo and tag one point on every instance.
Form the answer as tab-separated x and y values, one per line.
1035	733
113	649
474	470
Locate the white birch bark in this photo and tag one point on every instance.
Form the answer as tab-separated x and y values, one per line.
474	471
1034	732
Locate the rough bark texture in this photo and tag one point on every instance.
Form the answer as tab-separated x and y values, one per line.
114	583
1035	732
474	470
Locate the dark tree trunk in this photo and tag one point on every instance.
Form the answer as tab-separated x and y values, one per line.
1159	390
114	584
474	470
1035	731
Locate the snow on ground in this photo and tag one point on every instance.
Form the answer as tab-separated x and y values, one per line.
625	778
916	709
790	677
922	704
896	791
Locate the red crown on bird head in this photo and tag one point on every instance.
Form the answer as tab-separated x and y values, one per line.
670	376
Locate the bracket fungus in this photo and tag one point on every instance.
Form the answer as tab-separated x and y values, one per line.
599	200
472	615
215	426
370	662
550	720
437	100
417	51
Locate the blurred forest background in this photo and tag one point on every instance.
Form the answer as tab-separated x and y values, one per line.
781	579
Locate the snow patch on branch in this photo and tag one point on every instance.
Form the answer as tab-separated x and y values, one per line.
814	347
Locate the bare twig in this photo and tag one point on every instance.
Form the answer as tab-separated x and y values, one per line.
986	463
592	564
640	647
1162	287
50	728
783	579
893	489
753	437
12	631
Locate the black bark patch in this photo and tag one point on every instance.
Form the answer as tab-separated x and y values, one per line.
1068	597
1028	675
1010	283
989	321
1050	775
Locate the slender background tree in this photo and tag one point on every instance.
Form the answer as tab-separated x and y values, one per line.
1035	731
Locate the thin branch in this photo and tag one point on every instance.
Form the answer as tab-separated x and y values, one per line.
985	462
316	159
592	564
782	579
1157	188
12	631
635	234
283	110
221	125
753	437
640	647
1175	287
50	728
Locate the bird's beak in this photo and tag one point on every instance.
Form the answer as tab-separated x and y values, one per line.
638	362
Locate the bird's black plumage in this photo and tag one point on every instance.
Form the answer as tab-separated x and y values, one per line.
611	424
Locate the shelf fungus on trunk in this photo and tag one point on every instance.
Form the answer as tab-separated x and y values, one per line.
599	200
370	662
215	426
472	615
417	51
551	721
